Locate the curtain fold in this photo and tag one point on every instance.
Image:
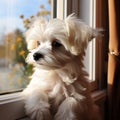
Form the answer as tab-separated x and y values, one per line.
114	60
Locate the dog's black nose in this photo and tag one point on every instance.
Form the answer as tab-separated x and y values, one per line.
37	56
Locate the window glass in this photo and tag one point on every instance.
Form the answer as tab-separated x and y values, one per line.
14	18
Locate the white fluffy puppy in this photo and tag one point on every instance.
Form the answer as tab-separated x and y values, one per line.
59	89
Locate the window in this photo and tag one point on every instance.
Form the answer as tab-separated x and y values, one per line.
88	11
91	13
14	18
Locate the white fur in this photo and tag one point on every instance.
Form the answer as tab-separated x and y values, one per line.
59	88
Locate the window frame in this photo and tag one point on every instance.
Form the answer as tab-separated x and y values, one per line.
97	82
66	7
12	105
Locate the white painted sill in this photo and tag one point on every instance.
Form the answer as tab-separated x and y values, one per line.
12	106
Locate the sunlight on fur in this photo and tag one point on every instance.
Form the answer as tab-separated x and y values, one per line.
59	88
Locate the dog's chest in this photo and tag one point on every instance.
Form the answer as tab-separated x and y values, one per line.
45	80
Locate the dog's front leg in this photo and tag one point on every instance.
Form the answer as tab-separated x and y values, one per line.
37	106
68	110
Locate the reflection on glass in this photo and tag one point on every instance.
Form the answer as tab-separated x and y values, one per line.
15	16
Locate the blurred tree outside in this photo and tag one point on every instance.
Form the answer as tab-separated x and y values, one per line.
43	12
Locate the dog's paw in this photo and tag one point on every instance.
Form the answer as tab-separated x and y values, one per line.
39	111
41	115
66	110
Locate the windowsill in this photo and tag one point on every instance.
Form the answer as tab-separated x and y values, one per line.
12	106
99	95
99	98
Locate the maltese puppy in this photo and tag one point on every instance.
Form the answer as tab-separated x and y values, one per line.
59	87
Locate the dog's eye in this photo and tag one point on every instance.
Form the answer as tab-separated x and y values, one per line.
56	44
38	43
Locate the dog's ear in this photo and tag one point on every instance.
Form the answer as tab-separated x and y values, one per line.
37	25
79	34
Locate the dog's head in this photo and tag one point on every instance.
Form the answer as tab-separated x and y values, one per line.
55	43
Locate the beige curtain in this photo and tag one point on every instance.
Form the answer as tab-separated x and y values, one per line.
114	60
